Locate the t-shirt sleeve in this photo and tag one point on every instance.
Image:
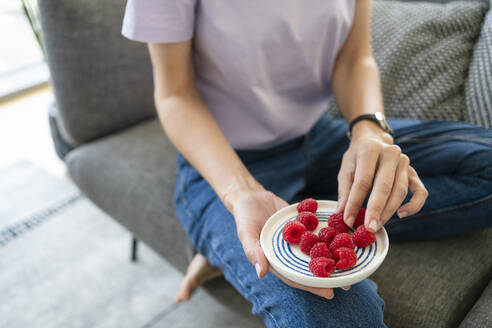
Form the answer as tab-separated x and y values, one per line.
159	21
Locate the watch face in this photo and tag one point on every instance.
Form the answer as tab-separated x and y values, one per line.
382	122
376	117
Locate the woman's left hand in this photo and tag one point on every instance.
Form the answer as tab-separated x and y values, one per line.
372	160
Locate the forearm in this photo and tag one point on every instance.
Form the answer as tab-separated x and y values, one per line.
196	134
357	88
355	78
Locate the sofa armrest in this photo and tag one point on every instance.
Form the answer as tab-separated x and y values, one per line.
481	313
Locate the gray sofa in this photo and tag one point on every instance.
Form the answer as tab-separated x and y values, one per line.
121	159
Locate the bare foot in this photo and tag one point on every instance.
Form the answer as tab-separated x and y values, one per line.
199	271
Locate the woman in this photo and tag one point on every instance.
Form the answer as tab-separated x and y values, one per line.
242	88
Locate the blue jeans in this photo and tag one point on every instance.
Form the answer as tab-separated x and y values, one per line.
453	159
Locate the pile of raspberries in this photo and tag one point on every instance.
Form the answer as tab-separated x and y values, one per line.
333	247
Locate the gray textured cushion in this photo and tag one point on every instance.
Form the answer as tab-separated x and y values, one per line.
102	82
423	52
131	176
479	84
434	283
481	313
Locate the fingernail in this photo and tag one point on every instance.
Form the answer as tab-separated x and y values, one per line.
346	288
374	225
402	214
330	297
350	221
258	269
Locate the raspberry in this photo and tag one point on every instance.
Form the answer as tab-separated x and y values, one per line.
341	240
322	266
320	250
345	257
308	239
309	205
359	220
292	231
362	237
309	220
327	234
336	221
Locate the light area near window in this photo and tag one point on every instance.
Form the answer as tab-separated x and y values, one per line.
21	59
25	133
18	46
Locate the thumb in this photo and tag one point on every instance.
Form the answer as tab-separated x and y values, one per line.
280	203
254	253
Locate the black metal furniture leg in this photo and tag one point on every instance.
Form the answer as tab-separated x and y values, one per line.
134	249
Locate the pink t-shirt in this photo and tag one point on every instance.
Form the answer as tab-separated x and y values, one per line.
263	67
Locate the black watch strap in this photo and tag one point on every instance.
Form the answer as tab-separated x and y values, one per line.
377	118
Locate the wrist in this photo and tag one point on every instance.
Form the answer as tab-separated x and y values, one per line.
237	191
369	129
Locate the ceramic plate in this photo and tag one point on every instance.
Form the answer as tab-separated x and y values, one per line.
289	261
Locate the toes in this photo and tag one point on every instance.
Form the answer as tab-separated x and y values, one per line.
187	287
199	271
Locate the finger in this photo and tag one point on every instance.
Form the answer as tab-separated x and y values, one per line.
399	191
364	174
345	179
323	292
249	238
383	184
419	195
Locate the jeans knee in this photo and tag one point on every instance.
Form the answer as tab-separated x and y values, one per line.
359	307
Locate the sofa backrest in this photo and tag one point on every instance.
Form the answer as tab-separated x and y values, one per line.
479	84
102	82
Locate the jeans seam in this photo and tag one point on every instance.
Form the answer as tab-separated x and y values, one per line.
188	212
401	133
471	204
182	192
408	139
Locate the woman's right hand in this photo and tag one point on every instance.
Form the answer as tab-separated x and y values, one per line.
251	209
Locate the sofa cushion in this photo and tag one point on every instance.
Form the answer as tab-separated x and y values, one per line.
423	51
102	82
479	84
130	176
481	313
434	283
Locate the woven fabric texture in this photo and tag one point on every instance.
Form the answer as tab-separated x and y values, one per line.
423	51
479	85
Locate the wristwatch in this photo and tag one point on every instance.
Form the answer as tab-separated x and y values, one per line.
377	117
